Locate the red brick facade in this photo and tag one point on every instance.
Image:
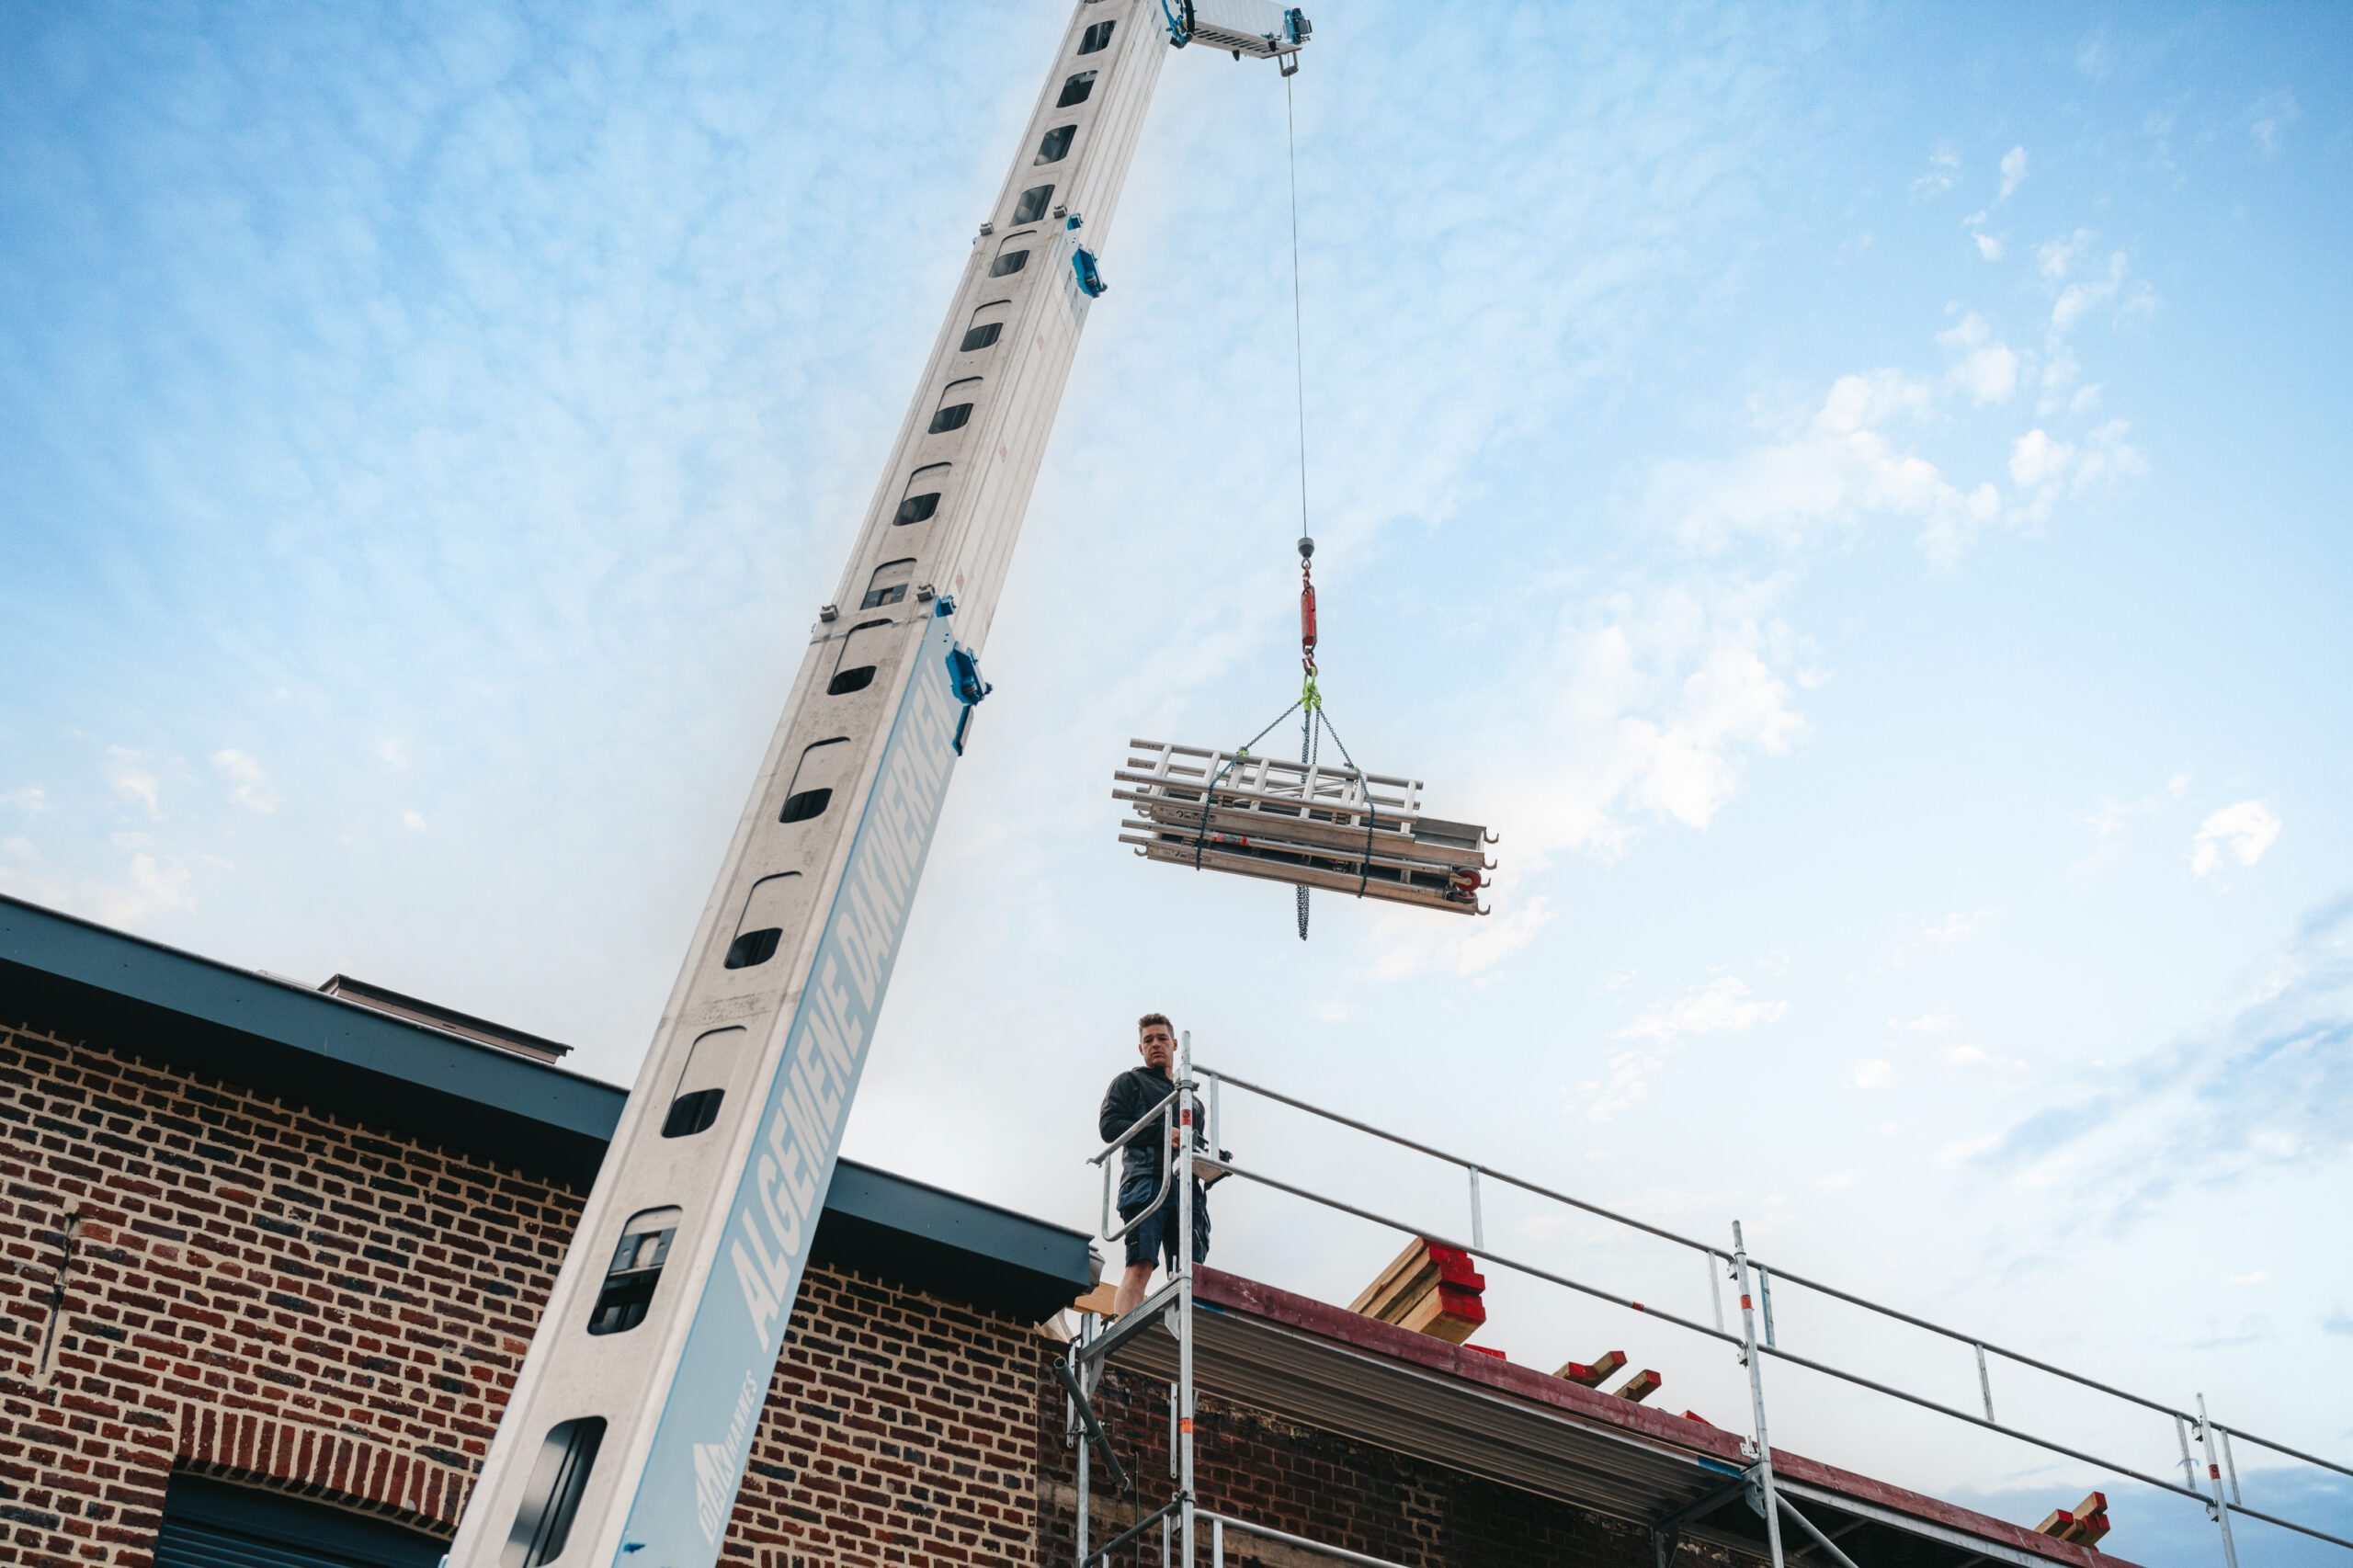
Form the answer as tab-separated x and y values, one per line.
1331	1490
196	1276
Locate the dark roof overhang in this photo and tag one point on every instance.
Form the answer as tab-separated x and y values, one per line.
132	997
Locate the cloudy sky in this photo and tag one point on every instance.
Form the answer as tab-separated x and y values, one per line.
1854	495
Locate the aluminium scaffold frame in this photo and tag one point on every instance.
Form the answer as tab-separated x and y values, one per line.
1185	1526
1309	823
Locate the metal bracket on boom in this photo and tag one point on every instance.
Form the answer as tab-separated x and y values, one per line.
1084	263
1257	28
965	679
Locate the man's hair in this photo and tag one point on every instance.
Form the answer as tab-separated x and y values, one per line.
1151	1018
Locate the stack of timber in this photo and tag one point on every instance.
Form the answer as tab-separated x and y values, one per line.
1591	1373
1638	1387
1430	1289
2084	1524
1310	824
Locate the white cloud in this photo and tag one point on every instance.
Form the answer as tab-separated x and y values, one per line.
1720	1006
1874	1073
1731	698
247	785
2259	1277
2012	172
2054	257
127	773
1913	939
147	885
2242	832
2076	298
28	799
1970	1058
1465	949
1964	1149
1956	926
1628	1079
1926	1022
1652	704
2108	820
2047	470
1944	167
1334	1012
1834	1180
1988	370
2112	816
413	821
2271	115
1840	468
1990	246
2036	460
389	750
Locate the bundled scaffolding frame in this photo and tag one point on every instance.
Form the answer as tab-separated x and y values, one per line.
1308	823
1185	1527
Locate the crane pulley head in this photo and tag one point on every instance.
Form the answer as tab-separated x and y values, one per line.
1257	28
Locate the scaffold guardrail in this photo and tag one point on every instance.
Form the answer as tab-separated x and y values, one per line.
1757	1339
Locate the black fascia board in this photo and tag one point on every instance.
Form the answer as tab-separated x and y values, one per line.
949	1244
131	996
299	1046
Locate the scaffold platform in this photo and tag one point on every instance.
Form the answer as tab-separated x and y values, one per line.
1310	824
1299	1360
1681	1479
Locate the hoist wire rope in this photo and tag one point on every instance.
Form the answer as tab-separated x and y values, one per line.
1309	721
1298	332
1310	705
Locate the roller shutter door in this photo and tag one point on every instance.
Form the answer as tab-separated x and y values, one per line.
209	1524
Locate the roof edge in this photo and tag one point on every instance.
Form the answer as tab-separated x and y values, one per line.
128	994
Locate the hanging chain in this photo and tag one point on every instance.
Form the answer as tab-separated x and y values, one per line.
1307	728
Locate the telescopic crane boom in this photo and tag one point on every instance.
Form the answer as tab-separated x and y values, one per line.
625	1438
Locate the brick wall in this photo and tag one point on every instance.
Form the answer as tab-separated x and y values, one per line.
194	1276
1328	1489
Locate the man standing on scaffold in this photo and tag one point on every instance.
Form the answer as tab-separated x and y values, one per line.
1132	1096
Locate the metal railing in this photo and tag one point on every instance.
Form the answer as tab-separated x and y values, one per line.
1736	1264
1167	1111
1179	1518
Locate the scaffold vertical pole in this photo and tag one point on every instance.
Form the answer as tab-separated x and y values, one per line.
2214	1479
1079	1366
1184	1305
1764	1468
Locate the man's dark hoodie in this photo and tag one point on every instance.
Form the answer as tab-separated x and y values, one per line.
1132	1094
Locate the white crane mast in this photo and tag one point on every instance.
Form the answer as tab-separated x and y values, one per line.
626	1436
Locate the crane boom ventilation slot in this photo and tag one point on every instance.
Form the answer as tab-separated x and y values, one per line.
1308	824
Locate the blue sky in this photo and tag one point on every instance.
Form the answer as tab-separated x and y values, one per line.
1854	495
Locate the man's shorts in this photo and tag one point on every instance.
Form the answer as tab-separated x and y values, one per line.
1154	1236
